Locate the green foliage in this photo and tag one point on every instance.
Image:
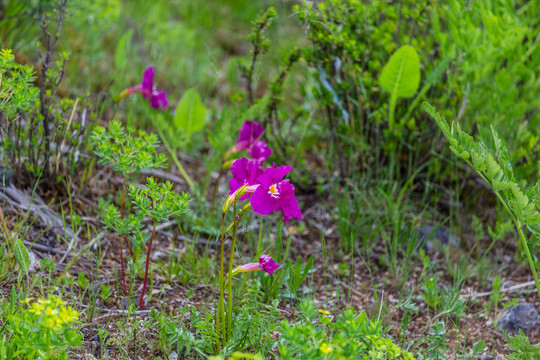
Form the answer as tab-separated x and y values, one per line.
438	341
178	130
400	77
523	349
190	114
189	268
105	292
238	356
130	225
21	256
158	200
17	93
496	170
297	274
348	336
39	329
443	300
48	136
126	150
495	297
350	41
252	327
497	75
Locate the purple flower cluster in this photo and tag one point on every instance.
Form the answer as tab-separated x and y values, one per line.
250	132
268	191
157	99
266	263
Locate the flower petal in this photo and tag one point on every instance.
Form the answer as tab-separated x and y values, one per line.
249	267
259	151
159	100
286	190
262	202
279	173
234	185
268	264
239	169
291	209
147	84
249	133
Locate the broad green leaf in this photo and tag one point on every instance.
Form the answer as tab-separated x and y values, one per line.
190	114
401	75
21	255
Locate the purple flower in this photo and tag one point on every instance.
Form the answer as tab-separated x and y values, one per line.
249	133
157	99
266	263
245	172
259	151
274	194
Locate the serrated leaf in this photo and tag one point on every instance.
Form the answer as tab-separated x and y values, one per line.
190	114
21	255
401	75
503	155
440	120
535	230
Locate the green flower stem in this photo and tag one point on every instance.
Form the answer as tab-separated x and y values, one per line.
518	225
221	307
231	260
141	299
259	241
529	258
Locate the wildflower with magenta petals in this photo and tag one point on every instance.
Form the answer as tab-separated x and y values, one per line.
245	172
274	194
249	133
266	263
158	99
259	151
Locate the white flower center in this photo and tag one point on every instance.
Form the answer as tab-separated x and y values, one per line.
273	191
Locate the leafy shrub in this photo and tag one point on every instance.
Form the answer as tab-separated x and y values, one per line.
42	138
350	336
495	168
497	72
17	94
40	329
523	349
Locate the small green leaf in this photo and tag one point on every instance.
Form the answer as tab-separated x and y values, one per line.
190	114
401	75
478	347
21	255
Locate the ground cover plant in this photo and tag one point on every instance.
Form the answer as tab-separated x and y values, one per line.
269	180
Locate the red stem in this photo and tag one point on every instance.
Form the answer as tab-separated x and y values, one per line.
141	299
122	212
122	262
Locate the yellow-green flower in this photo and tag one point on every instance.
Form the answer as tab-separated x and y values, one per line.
325	348
68	315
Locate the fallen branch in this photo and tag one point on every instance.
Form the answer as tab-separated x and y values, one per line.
488	293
